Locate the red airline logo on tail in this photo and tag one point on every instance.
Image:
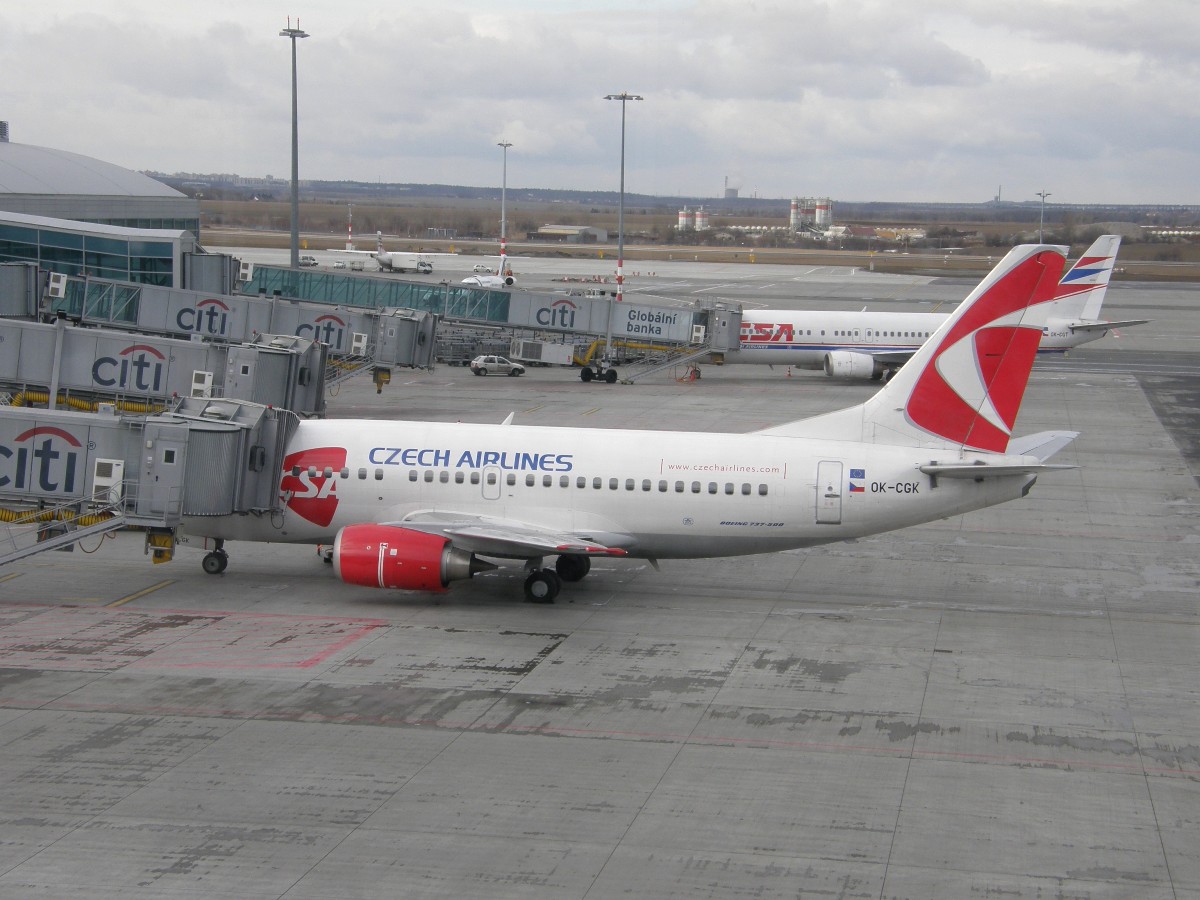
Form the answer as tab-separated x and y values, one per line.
972	389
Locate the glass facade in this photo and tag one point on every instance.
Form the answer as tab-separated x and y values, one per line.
347	290
145	261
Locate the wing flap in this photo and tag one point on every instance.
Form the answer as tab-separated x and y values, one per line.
491	536
1106	326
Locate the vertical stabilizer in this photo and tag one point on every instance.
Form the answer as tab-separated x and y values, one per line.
963	387
1080	295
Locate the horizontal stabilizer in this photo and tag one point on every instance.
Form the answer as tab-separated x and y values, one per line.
1042	445
985	470
1106	326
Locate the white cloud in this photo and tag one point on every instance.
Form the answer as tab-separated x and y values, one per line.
857	99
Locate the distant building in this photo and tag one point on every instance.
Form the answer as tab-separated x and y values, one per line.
569	234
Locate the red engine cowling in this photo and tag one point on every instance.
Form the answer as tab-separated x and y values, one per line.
387	556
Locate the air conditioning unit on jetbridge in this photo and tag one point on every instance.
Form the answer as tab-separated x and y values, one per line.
245	271
108	480
201	383
57	287
698	334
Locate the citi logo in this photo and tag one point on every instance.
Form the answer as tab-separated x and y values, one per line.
206	317
43	458
309	483
137	368
327	329
559	314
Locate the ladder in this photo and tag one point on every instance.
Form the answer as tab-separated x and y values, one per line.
680	356
35	530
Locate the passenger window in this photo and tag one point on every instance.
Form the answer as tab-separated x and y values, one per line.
662	487
510	479
529	480
491	477
729	487
547	480
580	482
612	484
564	481
412	474
459	478
444	477
746	489
428	476
762	490
345	473
597	484
474	478
712	487
679	487
379	474
362	474
695	487
629	483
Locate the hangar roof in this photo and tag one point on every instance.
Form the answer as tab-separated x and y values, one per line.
26	169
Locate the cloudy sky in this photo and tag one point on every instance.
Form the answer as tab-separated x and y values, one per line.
941	100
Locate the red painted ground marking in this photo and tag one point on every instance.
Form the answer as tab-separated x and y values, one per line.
68	638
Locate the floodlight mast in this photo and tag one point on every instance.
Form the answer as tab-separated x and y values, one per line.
1042	215
606	362
292	34
503	145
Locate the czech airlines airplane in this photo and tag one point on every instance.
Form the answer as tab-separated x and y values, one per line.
416	505
876	344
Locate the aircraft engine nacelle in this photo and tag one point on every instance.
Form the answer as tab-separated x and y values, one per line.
845	364
387	556
509	281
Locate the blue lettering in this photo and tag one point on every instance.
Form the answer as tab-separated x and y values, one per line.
467	461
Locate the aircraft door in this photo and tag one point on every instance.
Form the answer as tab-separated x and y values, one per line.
492	481
829	492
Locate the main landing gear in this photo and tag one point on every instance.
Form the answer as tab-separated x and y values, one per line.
216	560
543	585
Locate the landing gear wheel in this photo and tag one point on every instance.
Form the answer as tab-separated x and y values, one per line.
610	377
586	374
542	586
572	566
215	563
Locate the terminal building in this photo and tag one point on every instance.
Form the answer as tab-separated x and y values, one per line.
80	216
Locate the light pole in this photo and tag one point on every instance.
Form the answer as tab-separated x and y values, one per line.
503	145
623	97
292	34
1042	215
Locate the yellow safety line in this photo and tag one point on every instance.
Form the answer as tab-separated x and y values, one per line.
10	577
588	412
141	593
535	408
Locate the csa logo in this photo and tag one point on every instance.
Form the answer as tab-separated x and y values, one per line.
309	483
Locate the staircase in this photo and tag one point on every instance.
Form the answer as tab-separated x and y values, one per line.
679	356
29	531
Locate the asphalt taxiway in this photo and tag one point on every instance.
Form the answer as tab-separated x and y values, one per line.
1001	704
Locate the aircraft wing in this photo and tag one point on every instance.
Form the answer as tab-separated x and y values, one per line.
1106	326
491	536
893	357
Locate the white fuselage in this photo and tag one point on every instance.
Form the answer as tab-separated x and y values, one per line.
803	338
654	494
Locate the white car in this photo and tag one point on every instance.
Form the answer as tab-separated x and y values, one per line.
481	365
480	267
339	264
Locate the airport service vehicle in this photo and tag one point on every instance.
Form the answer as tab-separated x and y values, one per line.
399	261
417	505
481	365
308	261
875	344
480	267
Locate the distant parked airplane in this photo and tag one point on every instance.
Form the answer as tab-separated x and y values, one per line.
875	344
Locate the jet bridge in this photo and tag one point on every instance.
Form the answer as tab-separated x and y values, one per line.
61	363
64	475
